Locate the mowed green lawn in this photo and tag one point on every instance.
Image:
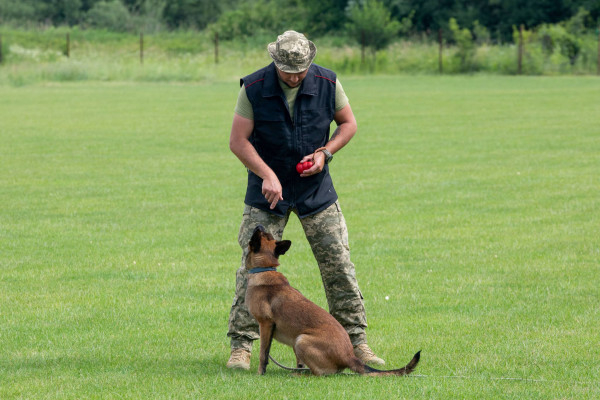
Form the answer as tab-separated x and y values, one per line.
473	205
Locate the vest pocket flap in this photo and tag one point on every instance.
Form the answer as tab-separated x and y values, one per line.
269	116
319	117
316	112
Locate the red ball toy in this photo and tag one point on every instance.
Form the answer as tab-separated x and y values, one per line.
303	166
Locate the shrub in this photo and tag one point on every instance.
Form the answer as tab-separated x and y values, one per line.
465	45
481	33
257	19
555	38
371	24
111	15
16	11
565	40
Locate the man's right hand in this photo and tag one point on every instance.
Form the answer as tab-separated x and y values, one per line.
272	190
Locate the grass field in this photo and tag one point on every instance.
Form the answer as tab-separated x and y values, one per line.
473	204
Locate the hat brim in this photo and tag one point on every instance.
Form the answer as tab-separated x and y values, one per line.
292	69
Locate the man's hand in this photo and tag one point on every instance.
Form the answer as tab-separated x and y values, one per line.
346	128
318	164
272	190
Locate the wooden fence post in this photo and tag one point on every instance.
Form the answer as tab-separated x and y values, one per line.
441	48
216	47
520	57
362	48
142	48
1	59
598	67
68	46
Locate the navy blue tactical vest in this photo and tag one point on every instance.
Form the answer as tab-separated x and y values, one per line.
282	143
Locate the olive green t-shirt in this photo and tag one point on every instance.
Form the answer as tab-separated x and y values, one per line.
243	107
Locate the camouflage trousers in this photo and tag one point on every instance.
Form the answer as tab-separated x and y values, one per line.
327	234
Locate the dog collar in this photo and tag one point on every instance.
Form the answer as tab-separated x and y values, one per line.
257	270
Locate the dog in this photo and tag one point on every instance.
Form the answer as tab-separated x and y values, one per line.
283	313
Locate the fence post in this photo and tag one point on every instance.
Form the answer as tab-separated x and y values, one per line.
216	47
68	46
441	48
142	48
1	59
520	57
362	48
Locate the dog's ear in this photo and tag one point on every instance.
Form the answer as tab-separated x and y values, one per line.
281	247
255	241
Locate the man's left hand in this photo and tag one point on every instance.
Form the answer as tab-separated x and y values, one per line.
318	164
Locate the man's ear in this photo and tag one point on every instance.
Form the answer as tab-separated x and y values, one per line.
281	247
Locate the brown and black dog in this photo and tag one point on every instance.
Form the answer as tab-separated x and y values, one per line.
283	313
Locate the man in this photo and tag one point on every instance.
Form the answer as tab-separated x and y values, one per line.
282	117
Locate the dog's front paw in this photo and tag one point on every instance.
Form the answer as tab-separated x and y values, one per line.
262	368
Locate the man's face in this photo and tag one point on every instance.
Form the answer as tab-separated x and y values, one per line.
292	80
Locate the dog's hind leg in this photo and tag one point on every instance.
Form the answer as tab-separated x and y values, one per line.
267	330
313	356
299	362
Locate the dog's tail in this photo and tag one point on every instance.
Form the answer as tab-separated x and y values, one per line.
410	367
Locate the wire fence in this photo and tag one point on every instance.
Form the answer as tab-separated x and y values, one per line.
520	56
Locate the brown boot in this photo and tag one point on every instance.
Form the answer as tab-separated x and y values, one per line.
366	355
239	359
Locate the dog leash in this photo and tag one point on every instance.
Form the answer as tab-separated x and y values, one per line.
287	368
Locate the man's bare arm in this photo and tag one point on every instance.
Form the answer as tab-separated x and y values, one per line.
240	145
344	132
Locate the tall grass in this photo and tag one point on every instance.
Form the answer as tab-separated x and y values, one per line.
39	55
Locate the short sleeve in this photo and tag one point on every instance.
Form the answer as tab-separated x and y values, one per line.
243	107
341	100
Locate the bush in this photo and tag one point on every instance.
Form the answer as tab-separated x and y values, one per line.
258	18
555	38
481	33
565	40
371	24
111	15
465	45
11	10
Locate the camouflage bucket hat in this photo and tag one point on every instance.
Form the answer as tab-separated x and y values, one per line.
292	52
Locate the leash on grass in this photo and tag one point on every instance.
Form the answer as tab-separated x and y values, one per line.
288	368
414	376
438	376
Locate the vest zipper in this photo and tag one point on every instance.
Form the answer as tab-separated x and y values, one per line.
294	142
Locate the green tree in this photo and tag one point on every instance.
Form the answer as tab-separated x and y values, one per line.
320	16
371	24
464	42
18	11
566	36
111	15
61	12
194	13
481	33
259	17
498	17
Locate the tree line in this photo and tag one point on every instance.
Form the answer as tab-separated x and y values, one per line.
243	18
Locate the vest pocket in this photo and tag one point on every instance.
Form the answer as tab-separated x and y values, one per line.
270	134
315	124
